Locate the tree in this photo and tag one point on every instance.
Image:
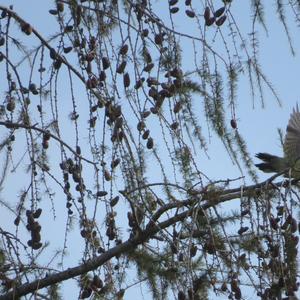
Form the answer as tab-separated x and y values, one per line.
103	152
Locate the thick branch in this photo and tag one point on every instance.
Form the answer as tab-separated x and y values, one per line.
93	264
151	230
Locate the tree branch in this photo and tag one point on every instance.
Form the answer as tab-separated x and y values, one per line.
150	231
9	124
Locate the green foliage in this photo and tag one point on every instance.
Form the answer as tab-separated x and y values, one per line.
156	270
54	292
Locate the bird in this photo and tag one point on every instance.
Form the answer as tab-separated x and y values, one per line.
289	164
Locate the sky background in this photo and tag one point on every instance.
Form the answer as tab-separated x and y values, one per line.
258	125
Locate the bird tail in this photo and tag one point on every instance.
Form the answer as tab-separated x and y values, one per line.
271	163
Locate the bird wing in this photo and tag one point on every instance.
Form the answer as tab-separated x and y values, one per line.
291	145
